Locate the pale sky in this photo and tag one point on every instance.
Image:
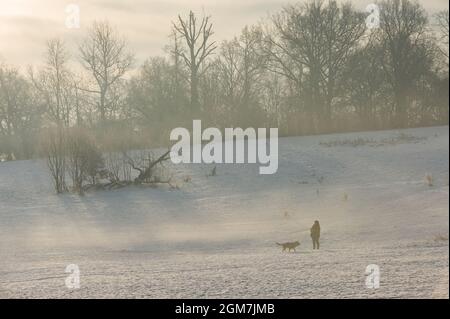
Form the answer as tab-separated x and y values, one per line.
25	25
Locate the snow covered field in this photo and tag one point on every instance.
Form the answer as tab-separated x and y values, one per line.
215	237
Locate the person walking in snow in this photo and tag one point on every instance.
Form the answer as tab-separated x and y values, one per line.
315	234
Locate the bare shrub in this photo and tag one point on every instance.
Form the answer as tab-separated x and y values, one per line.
349	142
213	171
429	179
401	138
117	168
85	161
187	179
345	197
54	147
440	237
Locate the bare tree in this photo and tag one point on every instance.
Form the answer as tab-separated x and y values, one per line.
58	76
314	41
175	51
243	66
365	89
19	114
54	83
443	25
199	47
11	97
408	51
156	98
104	54
147	166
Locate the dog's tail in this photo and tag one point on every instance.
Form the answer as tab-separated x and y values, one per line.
279	244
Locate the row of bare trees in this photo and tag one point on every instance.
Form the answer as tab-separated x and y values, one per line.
312	67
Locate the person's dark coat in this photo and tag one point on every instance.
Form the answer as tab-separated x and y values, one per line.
315	230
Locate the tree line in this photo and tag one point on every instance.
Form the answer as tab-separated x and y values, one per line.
314	67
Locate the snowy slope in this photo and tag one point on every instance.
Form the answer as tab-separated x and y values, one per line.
215	237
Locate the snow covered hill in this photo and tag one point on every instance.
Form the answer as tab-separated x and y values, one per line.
215	237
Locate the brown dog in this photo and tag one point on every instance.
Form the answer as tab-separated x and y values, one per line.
289	246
